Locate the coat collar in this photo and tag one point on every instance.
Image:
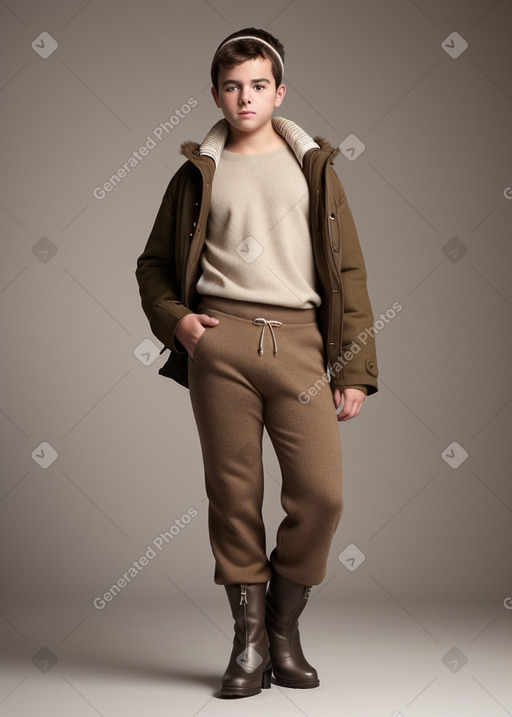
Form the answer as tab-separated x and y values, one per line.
299	141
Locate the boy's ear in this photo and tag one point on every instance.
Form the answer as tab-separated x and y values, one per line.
280	93
215	96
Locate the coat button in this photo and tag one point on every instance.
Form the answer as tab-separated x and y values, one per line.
371	367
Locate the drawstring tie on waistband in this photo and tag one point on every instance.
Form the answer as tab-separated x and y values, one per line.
264	323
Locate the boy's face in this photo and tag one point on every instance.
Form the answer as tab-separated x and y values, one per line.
247	94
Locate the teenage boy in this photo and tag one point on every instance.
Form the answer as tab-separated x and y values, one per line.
253	277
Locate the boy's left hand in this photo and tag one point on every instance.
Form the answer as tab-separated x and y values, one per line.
352	402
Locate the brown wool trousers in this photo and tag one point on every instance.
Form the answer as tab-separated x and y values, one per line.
239	385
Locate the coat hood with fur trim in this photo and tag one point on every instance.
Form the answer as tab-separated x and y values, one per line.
299	141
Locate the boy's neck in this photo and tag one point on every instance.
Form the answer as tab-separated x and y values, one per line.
260	141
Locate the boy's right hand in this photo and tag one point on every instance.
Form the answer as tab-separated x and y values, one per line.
190	328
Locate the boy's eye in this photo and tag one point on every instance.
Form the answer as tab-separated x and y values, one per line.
235	87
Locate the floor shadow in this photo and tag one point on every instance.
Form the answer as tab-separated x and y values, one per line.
115	666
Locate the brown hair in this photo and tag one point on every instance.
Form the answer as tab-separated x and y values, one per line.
234	53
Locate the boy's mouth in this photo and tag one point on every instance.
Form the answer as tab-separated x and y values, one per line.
246	113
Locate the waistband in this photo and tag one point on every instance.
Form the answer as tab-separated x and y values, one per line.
253	309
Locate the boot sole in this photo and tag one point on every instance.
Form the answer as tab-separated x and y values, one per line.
296	684
242	692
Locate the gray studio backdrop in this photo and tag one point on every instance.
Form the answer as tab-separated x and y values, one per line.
101	464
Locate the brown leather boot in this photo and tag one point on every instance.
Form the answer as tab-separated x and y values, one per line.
249	667
285	602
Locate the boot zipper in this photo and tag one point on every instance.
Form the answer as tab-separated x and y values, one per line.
243	601
243	594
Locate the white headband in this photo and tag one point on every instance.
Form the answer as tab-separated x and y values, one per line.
252	37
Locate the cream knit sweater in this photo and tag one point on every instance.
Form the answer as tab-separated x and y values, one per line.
258	243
